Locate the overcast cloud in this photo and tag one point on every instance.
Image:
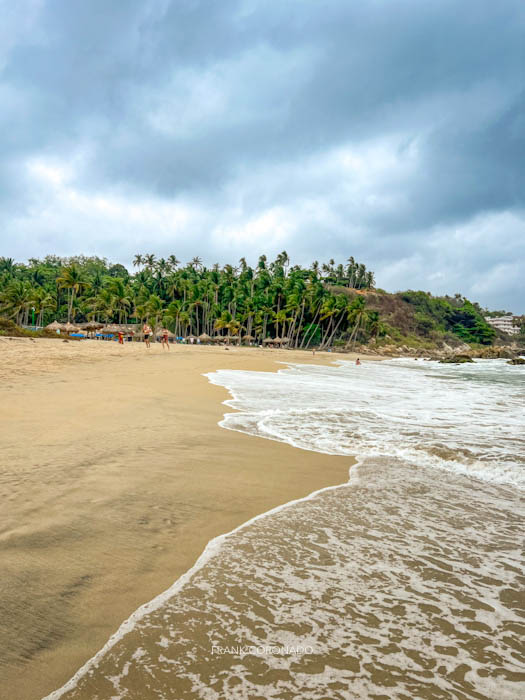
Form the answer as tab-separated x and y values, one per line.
393	131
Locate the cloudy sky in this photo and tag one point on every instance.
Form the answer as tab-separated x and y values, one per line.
390	130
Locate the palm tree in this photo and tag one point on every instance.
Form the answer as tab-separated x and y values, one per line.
138	260
17	299
154	308
174	263
195	263
120	296
43	301
357	315
73	279
149	260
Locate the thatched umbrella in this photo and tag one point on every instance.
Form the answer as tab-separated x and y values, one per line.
285	341
70	327
268	341
55	326
247	338
233	338
205	338
277	340
92	325
219	338
108	329
161	332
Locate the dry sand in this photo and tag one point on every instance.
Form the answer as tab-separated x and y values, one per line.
114	476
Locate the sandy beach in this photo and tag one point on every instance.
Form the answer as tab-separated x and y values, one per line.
114	476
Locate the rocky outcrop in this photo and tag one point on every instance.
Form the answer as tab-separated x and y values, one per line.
457	359
516	361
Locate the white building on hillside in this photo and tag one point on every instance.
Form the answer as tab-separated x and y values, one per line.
504	323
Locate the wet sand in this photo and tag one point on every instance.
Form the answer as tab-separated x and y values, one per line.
114	476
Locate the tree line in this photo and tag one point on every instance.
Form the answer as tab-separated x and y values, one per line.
272	299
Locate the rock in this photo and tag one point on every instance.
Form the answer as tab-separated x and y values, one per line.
516	361
457	359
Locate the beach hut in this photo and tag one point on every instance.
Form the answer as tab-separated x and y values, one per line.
108	330
205	338
91	326
55	326
70	327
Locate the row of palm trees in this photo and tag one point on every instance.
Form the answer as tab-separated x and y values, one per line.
318	305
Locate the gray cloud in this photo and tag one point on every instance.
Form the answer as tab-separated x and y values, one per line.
383	130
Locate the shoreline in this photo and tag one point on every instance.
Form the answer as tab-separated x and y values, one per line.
217	484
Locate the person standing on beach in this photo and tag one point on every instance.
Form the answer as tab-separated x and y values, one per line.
147	332
165	339
120	338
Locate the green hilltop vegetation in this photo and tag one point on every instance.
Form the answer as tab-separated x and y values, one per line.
324	305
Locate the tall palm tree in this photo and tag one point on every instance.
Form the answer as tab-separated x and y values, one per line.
74	280
120	294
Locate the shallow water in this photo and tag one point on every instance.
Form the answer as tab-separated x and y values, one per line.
405	583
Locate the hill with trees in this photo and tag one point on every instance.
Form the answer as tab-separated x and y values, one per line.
323	305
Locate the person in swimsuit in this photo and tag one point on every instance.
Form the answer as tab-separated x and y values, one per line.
147	333
358	361
120	338
165	339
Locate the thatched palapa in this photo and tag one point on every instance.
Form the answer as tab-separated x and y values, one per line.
92	325
55	326
70	327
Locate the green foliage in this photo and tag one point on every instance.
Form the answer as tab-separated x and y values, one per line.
456	314
323	305
312	334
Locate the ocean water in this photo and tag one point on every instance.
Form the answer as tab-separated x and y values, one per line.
406	582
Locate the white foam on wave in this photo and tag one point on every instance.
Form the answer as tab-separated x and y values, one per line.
465	419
